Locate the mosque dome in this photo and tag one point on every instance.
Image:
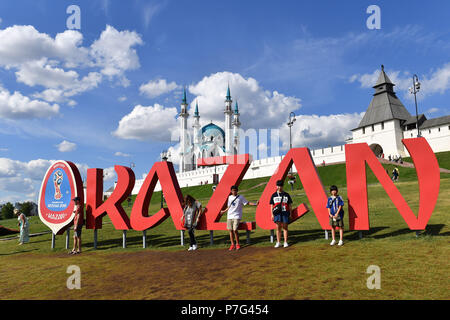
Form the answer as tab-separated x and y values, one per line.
211	133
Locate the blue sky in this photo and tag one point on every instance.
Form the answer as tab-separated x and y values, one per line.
108	93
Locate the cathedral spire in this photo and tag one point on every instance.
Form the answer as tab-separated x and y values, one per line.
236	108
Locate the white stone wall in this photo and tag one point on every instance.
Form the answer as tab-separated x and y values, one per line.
438	137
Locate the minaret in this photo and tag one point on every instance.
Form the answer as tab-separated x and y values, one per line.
183	132
236	125
228	130
196	125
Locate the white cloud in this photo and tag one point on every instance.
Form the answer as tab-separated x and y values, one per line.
66	146
153	89
18	106
114	52
432	110
21	44
41	60
320	131
259	108
148	123
122	99
121	154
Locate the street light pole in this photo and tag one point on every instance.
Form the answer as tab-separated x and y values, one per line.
290	124
413	90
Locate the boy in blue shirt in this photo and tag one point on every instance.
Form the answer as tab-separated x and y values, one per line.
335	206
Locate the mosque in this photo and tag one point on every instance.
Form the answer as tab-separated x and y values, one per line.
210	140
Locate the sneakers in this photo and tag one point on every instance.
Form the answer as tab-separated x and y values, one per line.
340	243
194	247
277	245
285	245
190	248
333	243
238	247
231	247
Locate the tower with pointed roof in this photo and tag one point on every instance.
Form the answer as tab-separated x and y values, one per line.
382	125
228	123
196	124
184	137
236	126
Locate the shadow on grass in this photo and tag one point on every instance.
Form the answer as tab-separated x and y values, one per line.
16	252
295	236
432	229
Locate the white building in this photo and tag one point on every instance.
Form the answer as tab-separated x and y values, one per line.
384	125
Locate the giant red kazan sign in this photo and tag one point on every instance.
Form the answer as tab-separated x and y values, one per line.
357	156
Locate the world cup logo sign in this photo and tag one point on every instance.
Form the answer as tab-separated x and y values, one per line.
57	180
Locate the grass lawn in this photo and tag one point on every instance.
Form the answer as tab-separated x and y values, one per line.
411	267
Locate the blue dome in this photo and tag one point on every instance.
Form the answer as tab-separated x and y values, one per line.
211	128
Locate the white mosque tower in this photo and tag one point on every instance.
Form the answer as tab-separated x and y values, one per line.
184	115
209	140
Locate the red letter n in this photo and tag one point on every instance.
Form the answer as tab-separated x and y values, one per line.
427	168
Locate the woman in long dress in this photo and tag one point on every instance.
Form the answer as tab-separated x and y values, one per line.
23	224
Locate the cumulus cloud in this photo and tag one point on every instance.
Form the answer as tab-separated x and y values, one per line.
18	106
41	60
114	52
148	123
153	89
316	131
259	108
20	44
66	146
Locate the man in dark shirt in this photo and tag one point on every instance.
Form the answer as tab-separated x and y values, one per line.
280	207
77	225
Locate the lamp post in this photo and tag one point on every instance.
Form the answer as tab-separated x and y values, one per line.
413	90
290	124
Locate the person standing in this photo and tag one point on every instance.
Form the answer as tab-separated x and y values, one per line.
23	225
77	225
335	206
191	213
281	209
234	216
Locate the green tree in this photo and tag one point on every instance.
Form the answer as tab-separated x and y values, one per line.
26	207
7	211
